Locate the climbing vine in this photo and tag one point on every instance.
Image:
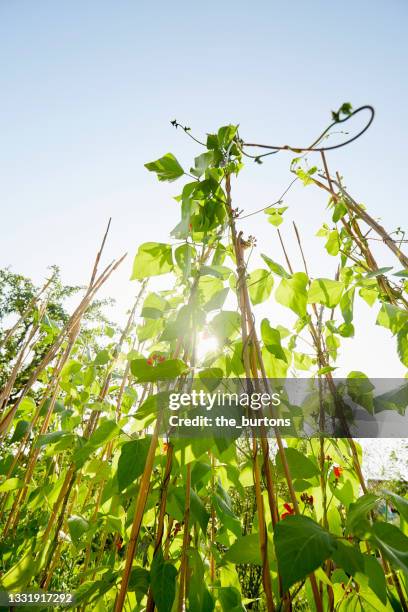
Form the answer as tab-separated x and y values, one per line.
98	497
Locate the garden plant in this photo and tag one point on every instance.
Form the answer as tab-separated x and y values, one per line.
99	499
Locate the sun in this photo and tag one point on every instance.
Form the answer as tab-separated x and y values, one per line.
206	344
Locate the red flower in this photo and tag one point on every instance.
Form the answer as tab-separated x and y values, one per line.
149	361
289	510
190	227
337	471
161	358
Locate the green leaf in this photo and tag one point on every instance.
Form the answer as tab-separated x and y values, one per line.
200	471
226	516
217	300
301	546
392	317
272	340
275	267
344	493
369	294
167	168
396	399
346	305
230	599
376	577
187	317
325	291
208	287
163	582
392	542
260	283
199	514
139	581
167	370
360	389
358	511
150	329
77	526
275	368
52	438
152	405
275	215
226	134
27	407
378	272
332	245
90	592
300	465
152	259
226	324
306	177
11	484
19	431
105	432
102	358
184	254
303	361
402	273
216	270
346	330
325	370
339	211
349	558
154	306
245	549
132	461
402	344
199	597
20	574
201	163
292	293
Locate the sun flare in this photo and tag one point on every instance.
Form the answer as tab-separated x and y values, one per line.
206	344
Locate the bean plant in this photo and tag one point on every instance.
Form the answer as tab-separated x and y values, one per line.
99	498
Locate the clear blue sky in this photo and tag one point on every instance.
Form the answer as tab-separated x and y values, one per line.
88	90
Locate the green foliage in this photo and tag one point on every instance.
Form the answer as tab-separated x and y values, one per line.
275	215
152	259
299	465
95	468
163	583
292	293
393	544
272	340
301	546
168	370
77	526
356	519
132	461
260	283
245	549
325	291
275	267
167	168
226	324
392	317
